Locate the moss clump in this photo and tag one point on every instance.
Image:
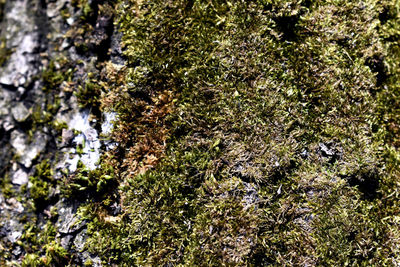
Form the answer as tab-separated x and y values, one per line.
6	186
31	260
250	133
87	35
4	51
273	151
2	4
88	95
43	249
55	74
42	183
88	183
85	8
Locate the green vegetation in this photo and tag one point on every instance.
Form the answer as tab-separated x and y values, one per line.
43	248
41	244
42	182
83	33
4	51
6	187
56	77
89	183
254	133
57	72
250	133
2	4
88	95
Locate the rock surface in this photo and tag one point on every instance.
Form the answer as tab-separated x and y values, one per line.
31	105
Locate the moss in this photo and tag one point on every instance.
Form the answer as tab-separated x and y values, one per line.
48	251
6	187
2	4
249	133
65	14
55	74
85	8
59	125
55	254
270	134
88	94
31	260
4	51
42	182
88	263
88	183
87	37
80	148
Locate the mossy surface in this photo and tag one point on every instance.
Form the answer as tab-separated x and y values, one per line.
250	133
4	51
254	133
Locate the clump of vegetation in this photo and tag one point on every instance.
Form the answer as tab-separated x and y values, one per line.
56	77
43	249
57	72
4	51
91	33
88	183
273	143
6	186
42	183
89	93
249	133
2	4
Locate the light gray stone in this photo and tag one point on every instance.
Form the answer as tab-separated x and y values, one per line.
66	136
28	152
8	124
68	221
80	240
22	38
34	149
14	236
14	205
18	142
20	177
5	101
20	113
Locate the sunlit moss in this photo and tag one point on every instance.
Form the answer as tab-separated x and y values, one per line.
249	133
42	182
278	100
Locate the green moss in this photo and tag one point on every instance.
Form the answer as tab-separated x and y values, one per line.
65	14
42	182
56	73
6	187
4	51
85	8
2	4
250	133
85	182
48	251
277	104
88	263
59	125
31	260
55	254
88	95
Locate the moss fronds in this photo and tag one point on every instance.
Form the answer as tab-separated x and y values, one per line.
274	149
